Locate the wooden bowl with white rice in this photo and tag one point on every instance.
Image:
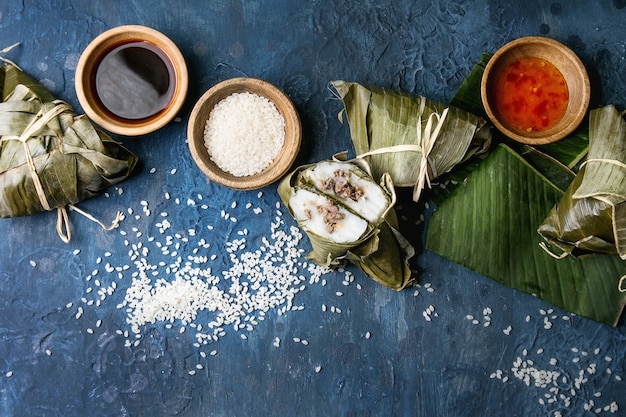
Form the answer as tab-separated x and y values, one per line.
244	133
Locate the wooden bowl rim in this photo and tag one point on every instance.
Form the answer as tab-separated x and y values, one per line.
93	53
199	116
580	107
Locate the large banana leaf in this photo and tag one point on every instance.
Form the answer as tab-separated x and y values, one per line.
49	157
489	225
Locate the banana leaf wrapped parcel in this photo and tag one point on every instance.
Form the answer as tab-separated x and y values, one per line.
49	157
348	216
412	138
591	216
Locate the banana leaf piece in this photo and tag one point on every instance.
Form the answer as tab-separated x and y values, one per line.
50	158
489	224
349	217
591	217
411	138
467	97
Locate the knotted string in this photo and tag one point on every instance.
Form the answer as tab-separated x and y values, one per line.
8	61
425	142
608	161
63	228
545	247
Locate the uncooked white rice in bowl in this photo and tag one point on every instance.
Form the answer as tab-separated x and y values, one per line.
244	133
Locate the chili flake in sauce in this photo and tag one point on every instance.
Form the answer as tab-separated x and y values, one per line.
531	95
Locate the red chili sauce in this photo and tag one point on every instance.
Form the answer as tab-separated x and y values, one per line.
531	95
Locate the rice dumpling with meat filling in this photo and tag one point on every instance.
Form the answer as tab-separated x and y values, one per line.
49	157
414	139
349	217
591	216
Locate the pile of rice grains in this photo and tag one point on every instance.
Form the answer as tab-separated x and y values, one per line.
168	280
244	133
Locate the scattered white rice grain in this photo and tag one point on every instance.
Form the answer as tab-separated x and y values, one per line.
9	374
192	372
89	330
173	171
368	335
33	263
318	368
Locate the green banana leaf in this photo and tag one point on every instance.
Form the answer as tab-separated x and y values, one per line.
60	160
591	217
381	252
489	222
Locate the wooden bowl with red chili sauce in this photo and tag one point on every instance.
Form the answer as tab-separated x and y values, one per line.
535	90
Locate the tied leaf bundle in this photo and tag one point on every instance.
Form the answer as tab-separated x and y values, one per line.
412	138
591	216
349	217
49	157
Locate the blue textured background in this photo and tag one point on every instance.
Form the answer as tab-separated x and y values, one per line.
52	365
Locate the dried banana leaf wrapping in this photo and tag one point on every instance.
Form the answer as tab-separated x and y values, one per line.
348	216
591	216
410	137
49	157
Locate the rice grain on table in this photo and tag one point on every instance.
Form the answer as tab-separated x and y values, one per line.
244	133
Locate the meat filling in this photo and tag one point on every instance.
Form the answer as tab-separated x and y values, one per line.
343	189
332	216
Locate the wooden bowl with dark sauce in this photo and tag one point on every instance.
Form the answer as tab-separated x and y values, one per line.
131	80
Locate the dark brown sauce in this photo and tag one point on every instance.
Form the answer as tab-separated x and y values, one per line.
135	81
